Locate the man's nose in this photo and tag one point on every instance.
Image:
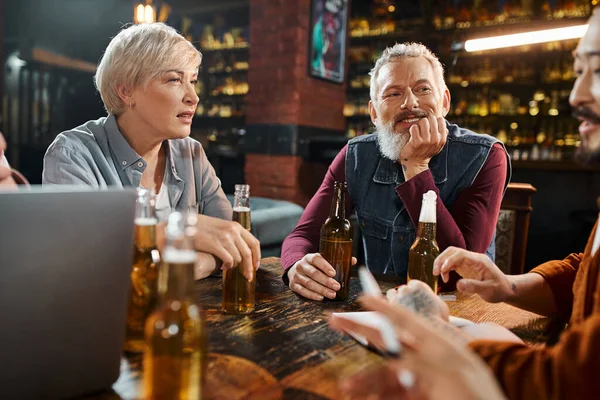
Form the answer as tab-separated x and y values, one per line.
410	100
581	93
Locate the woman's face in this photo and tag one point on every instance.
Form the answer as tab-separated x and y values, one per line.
166	106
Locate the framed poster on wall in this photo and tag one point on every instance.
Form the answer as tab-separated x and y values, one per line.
327	47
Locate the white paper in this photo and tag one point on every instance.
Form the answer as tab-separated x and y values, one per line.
369	318
373	319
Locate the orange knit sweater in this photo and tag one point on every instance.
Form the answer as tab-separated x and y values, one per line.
571	368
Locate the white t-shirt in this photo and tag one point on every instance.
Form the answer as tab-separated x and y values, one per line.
596	243
163	204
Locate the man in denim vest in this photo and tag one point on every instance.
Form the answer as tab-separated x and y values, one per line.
413	150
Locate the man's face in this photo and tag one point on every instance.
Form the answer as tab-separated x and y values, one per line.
407	90
585	97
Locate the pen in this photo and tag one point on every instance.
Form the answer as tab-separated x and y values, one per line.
388	335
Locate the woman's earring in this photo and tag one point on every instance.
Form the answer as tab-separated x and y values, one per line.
130	106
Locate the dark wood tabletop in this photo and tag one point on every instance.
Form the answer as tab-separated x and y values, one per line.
285	350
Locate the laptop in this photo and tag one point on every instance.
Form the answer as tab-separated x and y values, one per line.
65	261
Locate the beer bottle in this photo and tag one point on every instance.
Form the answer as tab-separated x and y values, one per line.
175	355
144	271
336	240
238	292
425	249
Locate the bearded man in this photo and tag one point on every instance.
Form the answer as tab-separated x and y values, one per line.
413	150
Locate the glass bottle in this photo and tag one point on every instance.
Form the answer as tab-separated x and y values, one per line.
238	291
336	240
175	355
425	249
144	271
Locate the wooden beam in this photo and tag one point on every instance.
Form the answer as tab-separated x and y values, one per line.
49	58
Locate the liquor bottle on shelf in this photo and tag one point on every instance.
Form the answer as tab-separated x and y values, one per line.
502	136
473	107
547	150
553	111
541	136
535	152
560	135
349	109
494	103
483	109
571	139
351	131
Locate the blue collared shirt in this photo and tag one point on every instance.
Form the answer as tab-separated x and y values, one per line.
96	154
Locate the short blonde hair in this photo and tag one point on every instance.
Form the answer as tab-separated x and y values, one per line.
405	50
138	54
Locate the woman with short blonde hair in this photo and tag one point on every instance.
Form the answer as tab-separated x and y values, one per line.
136	56
147	78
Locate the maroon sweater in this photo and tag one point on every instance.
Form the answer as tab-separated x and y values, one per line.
469	223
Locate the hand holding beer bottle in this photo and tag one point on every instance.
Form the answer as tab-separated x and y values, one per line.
425	249
175	355
336	240
144	271
327	273
224	240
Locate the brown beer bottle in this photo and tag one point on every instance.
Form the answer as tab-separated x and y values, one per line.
144	271
175	354
336	240
238	292
425	249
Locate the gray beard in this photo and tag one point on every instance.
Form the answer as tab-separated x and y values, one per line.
390	143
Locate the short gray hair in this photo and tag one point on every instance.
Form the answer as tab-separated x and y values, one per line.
138	54
405	50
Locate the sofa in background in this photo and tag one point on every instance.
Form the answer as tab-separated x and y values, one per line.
272	221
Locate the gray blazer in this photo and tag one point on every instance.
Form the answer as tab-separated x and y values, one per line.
96	154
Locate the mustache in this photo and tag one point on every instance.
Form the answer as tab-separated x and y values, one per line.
405	114
585	113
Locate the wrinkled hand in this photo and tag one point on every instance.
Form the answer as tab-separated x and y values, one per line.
480	274
427	138
433	365
230	242
6	179
226	240
312	277
205	265
419	298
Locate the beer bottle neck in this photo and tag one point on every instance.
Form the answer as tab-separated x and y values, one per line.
145	236
338	204
176	280
427	218
426	230
241	201
241	197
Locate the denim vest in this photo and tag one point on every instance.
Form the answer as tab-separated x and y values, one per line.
387	229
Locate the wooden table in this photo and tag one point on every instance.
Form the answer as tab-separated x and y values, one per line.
285	350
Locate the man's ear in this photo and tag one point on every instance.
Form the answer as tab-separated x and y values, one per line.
373	112
446	102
